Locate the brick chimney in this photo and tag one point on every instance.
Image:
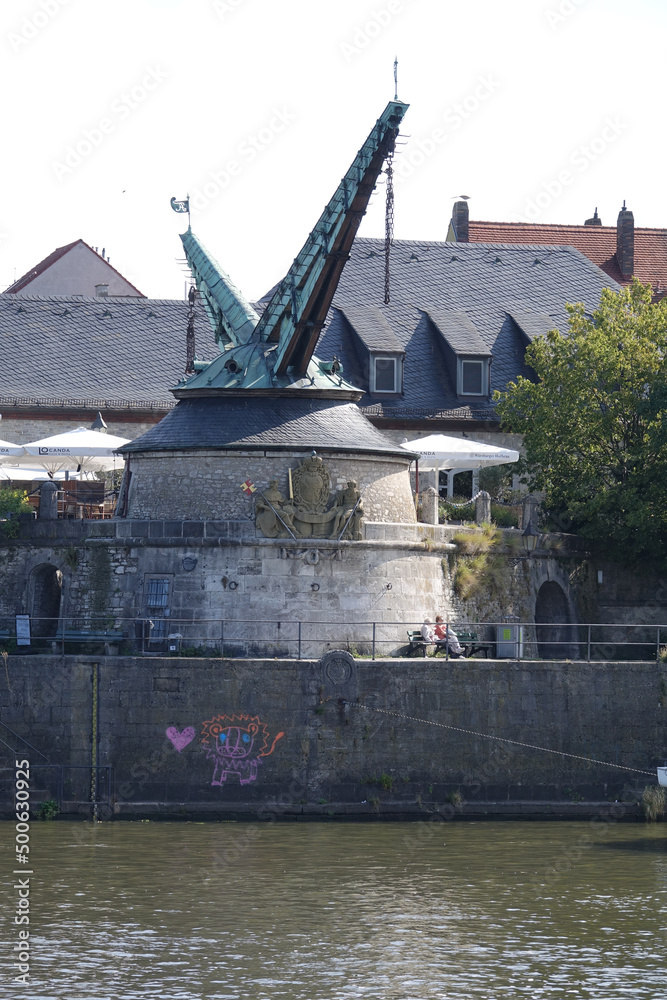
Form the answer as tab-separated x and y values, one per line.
460	221
595	221
625	242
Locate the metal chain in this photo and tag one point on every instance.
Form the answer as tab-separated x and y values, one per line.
388	222
190	333
466	504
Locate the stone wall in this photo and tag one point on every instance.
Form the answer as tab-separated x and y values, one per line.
352	738
224	571
221	570
206	484
21	429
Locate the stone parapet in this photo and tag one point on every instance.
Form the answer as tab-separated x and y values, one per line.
392	738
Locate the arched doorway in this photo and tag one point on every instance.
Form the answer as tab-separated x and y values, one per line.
556	638
46	588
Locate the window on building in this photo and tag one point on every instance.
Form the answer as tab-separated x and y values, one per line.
386	375
157	604
473	378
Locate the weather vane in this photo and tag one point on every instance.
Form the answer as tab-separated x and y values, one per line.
182	206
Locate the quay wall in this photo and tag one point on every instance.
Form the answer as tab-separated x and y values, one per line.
333	737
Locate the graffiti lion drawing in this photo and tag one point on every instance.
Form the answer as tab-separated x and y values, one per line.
237	744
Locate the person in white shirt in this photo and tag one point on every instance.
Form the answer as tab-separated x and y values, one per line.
427	633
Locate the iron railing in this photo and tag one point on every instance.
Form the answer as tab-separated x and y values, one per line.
299	639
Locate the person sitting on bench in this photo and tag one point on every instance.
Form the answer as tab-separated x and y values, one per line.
445	636
427	633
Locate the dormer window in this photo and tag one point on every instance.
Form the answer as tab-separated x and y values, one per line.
473	377
379	349
385	374
467	357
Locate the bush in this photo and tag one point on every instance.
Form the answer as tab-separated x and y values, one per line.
448	512
48	810
653	802
505	517
12	503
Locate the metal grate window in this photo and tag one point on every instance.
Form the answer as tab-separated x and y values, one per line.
157	605
157	595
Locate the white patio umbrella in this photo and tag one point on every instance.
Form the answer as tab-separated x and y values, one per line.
16	474
442	451
11	450
80	449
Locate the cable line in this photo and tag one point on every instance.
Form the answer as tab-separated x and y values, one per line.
502	739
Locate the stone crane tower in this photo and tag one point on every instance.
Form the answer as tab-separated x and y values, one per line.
267	402
302	505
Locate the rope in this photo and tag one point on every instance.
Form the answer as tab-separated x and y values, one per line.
502	739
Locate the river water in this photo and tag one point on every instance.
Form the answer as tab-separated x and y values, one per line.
488	910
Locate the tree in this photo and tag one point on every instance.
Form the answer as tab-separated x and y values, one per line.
594	423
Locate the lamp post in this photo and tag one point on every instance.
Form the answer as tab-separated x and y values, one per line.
530	536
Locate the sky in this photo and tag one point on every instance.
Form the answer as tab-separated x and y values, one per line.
538	110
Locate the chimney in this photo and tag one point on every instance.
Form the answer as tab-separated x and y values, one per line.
595	221
102	291
625	242
460	221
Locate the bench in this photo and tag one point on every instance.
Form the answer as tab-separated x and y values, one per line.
107	636
417	643
471	645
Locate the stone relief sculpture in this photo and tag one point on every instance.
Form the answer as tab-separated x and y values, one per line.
305	515
273	514
311	485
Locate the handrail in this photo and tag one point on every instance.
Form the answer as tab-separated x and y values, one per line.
298	637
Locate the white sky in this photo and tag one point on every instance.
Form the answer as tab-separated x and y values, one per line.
546	86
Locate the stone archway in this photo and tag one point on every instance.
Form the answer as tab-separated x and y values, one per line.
555	633
46	588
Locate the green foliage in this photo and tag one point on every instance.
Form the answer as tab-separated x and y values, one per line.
72	557
48	810
502	515
653	802
594	423
12	503
481	567
447	512
386	782
481	540
505	517
497	480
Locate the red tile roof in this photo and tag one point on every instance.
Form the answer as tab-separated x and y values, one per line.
43	265
598	243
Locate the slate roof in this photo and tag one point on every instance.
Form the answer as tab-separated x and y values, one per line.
95	352
372	329
458	331
246	422
598	243
45	264
493	285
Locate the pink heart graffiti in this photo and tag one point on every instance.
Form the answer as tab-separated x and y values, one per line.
181	740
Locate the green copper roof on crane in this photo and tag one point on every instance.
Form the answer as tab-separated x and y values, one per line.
276	350
233	318
298	308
